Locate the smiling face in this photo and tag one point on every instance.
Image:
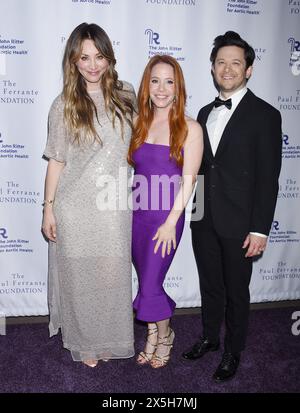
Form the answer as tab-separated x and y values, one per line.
91	65
230	71
162	85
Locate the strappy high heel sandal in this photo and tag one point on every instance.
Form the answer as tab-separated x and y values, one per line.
145	357
158	361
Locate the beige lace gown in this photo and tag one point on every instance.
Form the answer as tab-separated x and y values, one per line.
89	294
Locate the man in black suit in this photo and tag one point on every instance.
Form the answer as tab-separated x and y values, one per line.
241	166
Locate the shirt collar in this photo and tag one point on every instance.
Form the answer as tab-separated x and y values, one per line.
236	97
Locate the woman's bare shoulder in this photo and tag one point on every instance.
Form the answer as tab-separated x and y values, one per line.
193	126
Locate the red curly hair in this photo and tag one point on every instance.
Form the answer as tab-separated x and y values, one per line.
177	122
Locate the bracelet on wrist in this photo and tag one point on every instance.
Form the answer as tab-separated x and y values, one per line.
48	202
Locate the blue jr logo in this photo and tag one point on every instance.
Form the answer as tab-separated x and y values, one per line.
285	139
152	36
3	233
295	45
275	225
295	56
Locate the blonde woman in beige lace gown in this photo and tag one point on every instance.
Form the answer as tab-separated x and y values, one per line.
89	295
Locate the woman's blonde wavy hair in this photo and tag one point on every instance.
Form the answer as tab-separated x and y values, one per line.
177	122
79	108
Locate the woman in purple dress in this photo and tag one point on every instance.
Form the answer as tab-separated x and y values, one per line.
166	152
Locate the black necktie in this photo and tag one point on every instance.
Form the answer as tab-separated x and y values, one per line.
220	102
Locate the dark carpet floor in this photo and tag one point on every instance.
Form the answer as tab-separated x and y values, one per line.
33	363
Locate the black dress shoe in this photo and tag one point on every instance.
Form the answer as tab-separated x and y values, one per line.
227	368
200	348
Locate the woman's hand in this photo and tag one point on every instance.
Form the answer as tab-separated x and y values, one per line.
49	224
165	235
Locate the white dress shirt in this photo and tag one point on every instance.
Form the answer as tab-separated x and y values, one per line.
217	121
219	117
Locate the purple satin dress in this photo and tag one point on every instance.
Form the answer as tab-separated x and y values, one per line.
152	203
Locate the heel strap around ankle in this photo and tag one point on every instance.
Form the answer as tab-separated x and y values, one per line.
152	331
164	338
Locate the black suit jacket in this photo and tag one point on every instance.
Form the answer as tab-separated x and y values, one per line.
241	180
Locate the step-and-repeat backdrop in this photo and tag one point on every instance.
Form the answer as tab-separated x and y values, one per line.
33	35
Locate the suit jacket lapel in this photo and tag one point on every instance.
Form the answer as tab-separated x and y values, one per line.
234	123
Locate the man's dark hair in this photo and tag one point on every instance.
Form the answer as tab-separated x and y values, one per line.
233	39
